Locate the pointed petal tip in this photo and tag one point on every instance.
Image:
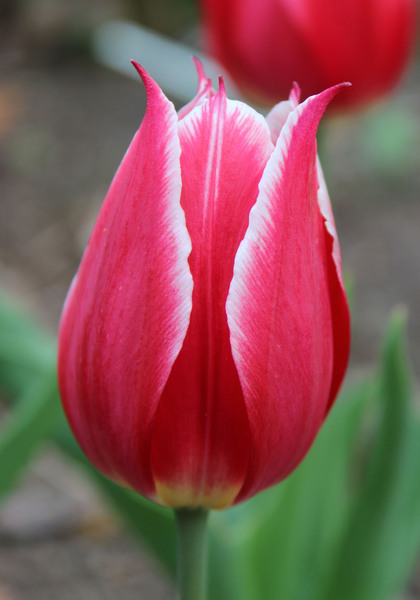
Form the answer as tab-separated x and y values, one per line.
142	72
204	82
295	92
342	85
222	88
137	66
323	99
199	67
294	95
152	88
335	89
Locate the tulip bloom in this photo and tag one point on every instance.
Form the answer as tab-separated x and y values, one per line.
206	333
266	45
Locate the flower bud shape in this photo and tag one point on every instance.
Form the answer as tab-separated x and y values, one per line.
206	333
266	45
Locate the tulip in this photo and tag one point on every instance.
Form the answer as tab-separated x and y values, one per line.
266	45
206	334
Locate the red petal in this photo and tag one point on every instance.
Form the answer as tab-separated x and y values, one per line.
280	308
265	45
200	441
127	314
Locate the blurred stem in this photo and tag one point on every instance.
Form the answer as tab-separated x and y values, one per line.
192	553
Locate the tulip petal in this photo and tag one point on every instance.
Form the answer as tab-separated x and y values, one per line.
128	311
279	305
277	116
339	306
200	443
204	90
266	44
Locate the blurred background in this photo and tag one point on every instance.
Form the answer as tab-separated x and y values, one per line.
66	120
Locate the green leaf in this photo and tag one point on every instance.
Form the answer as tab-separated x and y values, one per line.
389	140
31	351
31	420
382	536
25	350
231	572
293	547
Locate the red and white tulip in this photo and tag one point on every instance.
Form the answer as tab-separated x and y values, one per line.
206	334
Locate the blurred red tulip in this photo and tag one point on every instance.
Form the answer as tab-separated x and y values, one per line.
206	334
268	44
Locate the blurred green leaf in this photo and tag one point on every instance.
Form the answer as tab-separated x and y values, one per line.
26	351
30	421
31	351
389	139
231	572
382	535
293	545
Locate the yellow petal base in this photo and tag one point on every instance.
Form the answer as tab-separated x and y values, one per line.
183	496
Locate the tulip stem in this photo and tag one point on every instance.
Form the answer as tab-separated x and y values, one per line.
192	553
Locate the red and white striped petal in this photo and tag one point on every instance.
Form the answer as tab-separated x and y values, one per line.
277	116
279	308
200	445
204	90
128	311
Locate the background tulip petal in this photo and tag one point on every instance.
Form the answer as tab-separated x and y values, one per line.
279	305
267	45
260	46
128	311
200	443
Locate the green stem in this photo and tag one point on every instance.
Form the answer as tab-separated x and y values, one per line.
192	553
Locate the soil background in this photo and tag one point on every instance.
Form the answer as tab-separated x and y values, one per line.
65	123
